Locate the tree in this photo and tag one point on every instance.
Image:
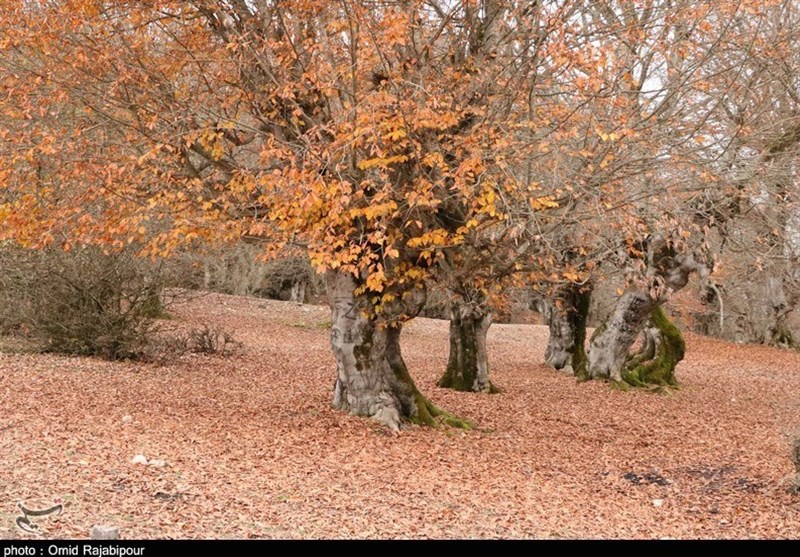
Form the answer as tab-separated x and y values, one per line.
651	110
753	207
365	132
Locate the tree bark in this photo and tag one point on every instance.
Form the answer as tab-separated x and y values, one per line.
567	321
663	347
468	364
608	357
372	378
298	292
612	341
779	306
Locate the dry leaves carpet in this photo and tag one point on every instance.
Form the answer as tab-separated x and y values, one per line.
247	446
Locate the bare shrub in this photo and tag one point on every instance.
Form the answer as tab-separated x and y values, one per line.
84	301
212	340
167	347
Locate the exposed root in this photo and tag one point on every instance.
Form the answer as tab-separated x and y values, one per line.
431	415
388	417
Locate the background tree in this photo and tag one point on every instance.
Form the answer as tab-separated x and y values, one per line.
641	160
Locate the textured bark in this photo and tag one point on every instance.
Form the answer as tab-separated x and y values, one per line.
779	306
372	378
668	272
662	348
651	337
468	364
298	292
566	318
558	354
612	341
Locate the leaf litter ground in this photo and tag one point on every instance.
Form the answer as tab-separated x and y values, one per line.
248	447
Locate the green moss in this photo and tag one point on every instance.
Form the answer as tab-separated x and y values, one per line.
579	318
619	385
431	415
660	368
462	364
424	412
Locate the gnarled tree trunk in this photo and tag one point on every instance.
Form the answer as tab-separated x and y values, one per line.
372	378
612	341
468	365
609	350
566	318
662	345
662	348
779	306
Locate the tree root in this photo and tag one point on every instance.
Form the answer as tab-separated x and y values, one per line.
429	414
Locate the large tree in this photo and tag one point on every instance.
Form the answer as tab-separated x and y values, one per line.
375	135
647	154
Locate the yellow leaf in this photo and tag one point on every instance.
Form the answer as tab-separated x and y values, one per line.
375	281
381	162
395	135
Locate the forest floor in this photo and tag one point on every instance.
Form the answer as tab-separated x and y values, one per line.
251	448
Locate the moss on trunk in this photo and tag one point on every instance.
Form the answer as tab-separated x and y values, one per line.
372	378
567	315
416	407
655	363
468	364
578	319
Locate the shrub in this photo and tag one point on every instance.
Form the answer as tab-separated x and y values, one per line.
207	339
81	302
212	340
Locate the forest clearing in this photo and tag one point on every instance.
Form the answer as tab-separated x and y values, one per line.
252	448
399	269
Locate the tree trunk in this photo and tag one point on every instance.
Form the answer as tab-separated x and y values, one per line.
298	292
567	321
612	341
468	365
662	346
779	306
372	378
662	349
